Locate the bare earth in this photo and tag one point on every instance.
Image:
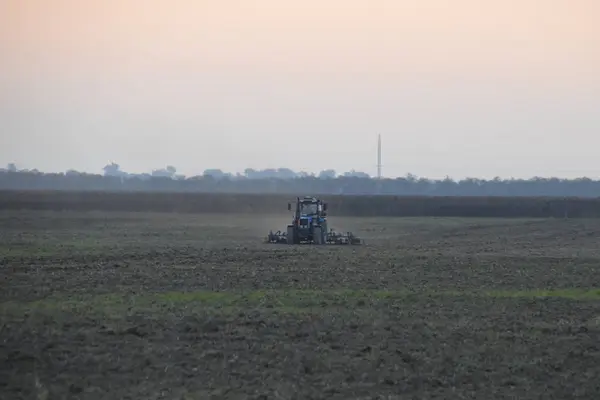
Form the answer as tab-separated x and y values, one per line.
160	306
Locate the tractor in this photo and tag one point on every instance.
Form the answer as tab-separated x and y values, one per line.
309	226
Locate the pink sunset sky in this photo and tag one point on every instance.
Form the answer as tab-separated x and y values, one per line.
455	87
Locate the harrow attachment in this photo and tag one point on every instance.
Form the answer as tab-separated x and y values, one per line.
331	237
339	238
277	237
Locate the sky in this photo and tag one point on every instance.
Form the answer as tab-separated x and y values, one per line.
474	88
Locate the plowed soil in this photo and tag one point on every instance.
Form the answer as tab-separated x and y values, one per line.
105	305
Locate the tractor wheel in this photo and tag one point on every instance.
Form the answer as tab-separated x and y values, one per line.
318	235
290	235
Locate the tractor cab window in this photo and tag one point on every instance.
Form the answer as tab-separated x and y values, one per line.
308	209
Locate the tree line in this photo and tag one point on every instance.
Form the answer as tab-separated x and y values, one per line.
311	185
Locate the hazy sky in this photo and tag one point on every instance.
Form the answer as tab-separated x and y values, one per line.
457	87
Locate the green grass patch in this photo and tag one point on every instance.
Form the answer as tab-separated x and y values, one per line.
282	300
205	297
572	294
50	249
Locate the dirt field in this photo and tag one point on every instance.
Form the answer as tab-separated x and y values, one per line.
148	306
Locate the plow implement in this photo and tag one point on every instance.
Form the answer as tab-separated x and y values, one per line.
339	238
332	237
277	237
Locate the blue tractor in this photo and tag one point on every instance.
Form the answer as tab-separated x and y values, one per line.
309	226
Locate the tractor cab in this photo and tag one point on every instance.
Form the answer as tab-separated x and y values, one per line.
310	213
309	207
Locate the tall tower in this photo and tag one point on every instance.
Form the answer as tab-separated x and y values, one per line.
378	156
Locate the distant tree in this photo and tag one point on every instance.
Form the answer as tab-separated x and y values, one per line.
356	174
285	173
168	172
327	174
250	173
215	173
72	172
113	169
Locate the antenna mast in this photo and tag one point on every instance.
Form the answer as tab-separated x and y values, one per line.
378	156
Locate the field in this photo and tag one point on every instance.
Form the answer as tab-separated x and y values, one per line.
116	305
